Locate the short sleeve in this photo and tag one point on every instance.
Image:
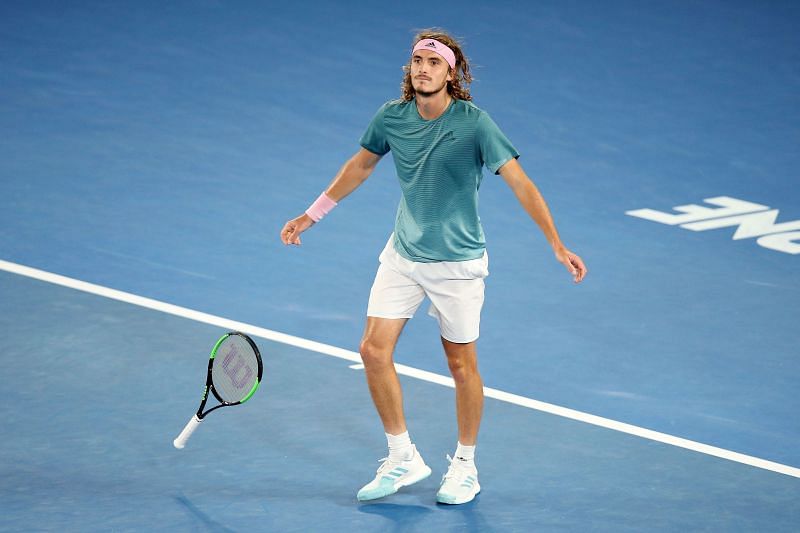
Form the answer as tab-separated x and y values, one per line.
374	139
496	150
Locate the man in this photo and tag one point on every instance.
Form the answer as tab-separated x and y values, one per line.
440	141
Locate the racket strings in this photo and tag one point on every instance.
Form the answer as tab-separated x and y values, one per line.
235	369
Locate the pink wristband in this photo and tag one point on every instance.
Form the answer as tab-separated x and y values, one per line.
321	207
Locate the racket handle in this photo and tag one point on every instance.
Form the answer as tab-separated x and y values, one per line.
180	440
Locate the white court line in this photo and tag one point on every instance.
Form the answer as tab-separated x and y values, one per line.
354	357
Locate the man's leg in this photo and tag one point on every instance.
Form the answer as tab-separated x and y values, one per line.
460	483
404	466
462	359
377	350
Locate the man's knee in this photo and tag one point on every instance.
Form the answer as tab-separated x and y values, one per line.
462	362
462	370
378	342
374	353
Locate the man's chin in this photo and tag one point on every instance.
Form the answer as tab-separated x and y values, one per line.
427	94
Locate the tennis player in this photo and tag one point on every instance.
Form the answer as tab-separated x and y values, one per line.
439	141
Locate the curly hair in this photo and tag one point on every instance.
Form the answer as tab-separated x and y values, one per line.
459	86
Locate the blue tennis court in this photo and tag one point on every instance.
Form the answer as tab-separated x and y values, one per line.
150	154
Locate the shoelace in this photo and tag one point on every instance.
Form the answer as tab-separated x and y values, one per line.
386	461
386	464
457	471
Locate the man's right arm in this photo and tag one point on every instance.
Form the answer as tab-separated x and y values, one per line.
352	174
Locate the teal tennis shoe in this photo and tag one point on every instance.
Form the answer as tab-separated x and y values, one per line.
459	484
395	475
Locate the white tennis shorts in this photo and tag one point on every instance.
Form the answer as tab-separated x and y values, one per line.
455	289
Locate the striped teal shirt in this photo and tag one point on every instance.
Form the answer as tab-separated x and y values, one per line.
439	164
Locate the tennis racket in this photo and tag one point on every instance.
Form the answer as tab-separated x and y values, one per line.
234	373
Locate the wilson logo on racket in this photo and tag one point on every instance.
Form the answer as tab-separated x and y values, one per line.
232	371
232	381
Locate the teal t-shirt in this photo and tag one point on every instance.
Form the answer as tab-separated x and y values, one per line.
439	164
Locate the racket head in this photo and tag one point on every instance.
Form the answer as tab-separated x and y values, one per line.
235	368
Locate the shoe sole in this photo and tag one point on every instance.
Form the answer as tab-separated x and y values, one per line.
450	500
394	488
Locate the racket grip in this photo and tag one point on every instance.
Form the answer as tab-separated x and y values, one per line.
180	440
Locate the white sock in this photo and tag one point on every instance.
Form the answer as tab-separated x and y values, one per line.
465	454
399	447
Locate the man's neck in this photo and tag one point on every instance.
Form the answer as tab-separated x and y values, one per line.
431	107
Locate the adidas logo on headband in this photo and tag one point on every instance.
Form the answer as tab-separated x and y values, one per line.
438	48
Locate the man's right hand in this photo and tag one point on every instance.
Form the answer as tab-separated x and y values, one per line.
290	234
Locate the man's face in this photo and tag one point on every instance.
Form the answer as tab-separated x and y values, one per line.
429	73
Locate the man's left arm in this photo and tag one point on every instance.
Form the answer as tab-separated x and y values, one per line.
532	201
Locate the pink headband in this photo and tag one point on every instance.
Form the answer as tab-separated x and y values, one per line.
440	48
